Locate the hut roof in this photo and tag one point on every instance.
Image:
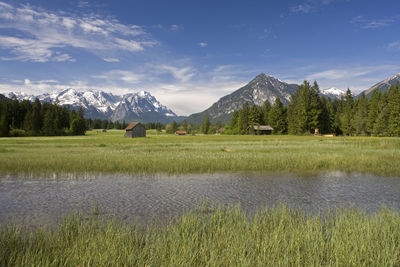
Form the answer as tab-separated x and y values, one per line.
181	132
263	128
131	126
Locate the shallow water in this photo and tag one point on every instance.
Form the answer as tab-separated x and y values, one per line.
148	199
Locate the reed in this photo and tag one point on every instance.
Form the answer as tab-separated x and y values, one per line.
224	237
112	153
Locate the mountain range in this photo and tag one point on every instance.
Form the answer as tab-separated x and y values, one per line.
142	106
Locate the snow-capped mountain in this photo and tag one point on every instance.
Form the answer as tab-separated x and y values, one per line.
332	92
140	106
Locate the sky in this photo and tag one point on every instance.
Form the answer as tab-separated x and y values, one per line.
188	53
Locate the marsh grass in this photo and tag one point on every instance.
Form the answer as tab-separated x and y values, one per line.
223	237
112	153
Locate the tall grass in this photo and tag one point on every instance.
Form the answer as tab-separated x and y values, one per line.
112	153
225	237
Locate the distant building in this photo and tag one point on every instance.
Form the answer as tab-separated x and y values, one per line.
181	132
135	129
220	130
262	129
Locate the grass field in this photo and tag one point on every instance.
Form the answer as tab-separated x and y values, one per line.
112	153
277	237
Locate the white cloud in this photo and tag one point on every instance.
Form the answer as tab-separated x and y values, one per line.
111	59
175	27
27	81
301	8
182	74
203	44
366	23
44	35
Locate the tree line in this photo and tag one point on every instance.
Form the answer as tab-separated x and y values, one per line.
24	118
378	115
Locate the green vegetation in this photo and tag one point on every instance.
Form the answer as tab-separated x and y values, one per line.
110	152
32	119
273	237
307	111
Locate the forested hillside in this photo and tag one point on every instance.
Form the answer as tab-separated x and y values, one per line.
378	115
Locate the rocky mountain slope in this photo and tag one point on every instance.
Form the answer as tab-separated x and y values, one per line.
383	85
262	87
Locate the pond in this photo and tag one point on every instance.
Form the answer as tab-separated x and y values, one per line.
149	199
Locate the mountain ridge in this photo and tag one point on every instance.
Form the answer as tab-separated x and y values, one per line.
141	106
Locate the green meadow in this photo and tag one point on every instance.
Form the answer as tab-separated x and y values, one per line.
205	237
110	152
222	237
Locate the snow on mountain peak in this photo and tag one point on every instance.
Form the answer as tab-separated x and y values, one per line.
332	91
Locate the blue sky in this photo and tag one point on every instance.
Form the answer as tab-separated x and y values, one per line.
190	53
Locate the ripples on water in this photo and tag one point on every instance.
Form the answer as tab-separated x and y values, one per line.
152	198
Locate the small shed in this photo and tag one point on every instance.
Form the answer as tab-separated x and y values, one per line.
262	129
220	130
180	132
135	129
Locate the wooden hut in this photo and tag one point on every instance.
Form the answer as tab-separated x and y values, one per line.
262	129
180	132
135	129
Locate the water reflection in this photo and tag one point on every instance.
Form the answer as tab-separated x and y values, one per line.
151	198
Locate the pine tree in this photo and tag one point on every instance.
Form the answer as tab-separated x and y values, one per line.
266	109
394	107
278	117
347	115
36	117
305	109
78	126
381	123
243	120
360	120
234	124
373	110
4	123
205	126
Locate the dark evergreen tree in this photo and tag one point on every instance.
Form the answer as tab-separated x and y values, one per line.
278	118
381	123
394	110
36	117
347	114
205	126
243	120
373	110
360	119
265	110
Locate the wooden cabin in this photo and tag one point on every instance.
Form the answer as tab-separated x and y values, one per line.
180	132
135	129
262	129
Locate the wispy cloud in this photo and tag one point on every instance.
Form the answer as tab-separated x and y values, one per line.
308	6
175	27
368	23
42	35
203	44
394	46
301	8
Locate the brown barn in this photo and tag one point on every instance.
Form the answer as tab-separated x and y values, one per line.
180	132
262	129
135	129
